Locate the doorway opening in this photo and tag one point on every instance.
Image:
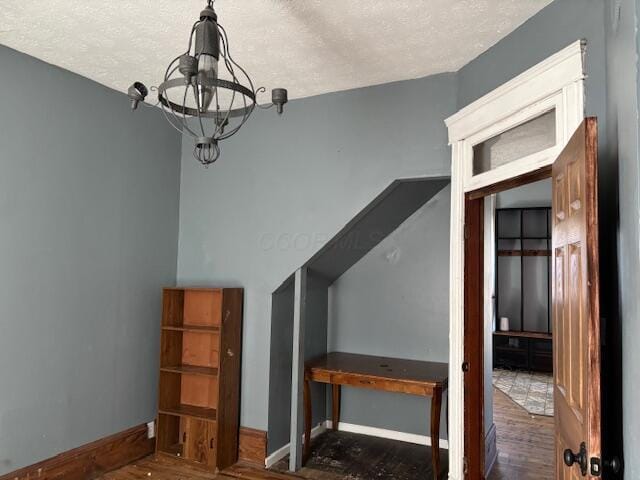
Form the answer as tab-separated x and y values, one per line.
575	305
518	334
510	137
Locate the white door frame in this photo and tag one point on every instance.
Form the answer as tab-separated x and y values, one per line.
557	82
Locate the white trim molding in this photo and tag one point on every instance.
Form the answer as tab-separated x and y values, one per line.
539	82
556	84
389	434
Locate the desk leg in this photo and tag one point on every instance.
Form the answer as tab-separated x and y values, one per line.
335	406
307	421
436	404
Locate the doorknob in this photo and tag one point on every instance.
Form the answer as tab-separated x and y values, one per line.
580	458
614	465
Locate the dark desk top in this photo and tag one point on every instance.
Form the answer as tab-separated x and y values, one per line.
397	369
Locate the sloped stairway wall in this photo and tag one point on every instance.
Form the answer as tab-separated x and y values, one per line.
363	233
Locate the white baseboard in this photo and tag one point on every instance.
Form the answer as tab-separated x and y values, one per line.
390	434
279	454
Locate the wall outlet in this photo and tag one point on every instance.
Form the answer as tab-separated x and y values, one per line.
151	429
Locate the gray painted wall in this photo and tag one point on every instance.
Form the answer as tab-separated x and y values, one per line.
537	194
395	302
315	345
315	339
284	186
622	353
281	360
89	211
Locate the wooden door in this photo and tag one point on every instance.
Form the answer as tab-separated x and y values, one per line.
576	309
199	441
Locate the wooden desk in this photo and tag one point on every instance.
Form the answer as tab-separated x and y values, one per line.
427	379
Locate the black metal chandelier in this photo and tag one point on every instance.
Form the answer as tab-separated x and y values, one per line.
205	92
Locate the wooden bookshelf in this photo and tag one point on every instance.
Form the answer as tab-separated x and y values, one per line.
198	404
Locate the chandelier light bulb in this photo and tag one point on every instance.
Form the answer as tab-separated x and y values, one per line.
207	69
207	51
279	97
136	93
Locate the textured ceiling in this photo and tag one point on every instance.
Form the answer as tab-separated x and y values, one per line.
307	46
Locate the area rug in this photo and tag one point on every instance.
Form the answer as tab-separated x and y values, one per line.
531	390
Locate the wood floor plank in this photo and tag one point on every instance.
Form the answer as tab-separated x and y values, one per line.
249	472
525	442
525	446
163	467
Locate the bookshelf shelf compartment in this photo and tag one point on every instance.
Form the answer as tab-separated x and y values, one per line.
190	411
193	328
191	370
187	437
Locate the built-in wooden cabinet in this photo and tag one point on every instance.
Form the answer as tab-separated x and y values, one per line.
523	350
523	289
199	391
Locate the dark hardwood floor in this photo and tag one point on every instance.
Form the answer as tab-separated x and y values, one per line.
525	442
342	456
525	446
160	468
165	468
